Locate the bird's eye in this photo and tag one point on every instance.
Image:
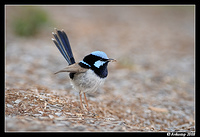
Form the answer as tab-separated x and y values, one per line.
103	60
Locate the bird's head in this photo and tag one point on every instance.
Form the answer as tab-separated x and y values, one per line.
97	61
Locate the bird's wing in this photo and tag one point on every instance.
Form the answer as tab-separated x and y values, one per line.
74	68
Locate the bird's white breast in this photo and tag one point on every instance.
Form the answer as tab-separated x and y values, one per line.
87	82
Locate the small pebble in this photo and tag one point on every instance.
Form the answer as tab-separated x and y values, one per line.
51	116
9	106
58	114
17	101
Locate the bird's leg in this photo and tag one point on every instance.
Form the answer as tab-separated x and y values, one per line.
86	101
81	104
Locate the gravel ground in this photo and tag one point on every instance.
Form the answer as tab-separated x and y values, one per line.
149	88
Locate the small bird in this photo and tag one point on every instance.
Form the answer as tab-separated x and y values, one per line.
86	75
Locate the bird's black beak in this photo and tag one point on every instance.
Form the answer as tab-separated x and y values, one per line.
111	60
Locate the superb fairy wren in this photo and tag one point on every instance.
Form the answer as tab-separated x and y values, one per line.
86	75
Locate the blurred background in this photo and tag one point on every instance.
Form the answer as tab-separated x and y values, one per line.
153	46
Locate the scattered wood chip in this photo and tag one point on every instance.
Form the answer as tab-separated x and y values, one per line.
79	114
156	109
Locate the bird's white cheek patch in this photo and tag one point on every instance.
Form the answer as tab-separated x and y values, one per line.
99	63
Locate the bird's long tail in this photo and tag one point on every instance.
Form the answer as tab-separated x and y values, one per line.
62	43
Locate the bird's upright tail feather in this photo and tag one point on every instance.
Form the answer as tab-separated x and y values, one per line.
62	43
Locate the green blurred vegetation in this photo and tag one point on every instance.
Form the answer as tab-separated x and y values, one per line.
30	21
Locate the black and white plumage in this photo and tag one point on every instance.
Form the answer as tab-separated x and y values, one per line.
86	75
